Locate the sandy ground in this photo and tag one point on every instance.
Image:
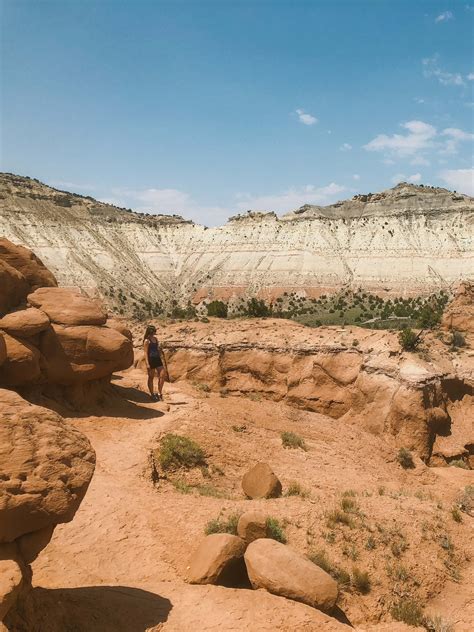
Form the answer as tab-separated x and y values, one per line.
123	558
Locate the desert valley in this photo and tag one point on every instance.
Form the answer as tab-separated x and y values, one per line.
311	464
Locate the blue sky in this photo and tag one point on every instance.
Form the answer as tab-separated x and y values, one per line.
208	108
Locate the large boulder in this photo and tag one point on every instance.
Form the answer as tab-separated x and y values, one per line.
83	353
68	306
27	263
22	362
252	525
282	571
25	323
45	467
261	482
218	560
14	287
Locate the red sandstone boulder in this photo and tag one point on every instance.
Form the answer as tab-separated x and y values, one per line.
27	263
282	571
25	323
218	560
45	468
459	315
68	306
22	363
261	482
14	287
252	525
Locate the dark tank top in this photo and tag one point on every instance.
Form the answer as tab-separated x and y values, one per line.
153	349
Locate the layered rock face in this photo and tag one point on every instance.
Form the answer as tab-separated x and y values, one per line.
51	336
407	239
353	375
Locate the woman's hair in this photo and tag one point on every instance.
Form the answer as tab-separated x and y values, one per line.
149	331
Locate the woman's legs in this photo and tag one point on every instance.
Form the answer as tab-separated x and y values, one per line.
161	380
151	375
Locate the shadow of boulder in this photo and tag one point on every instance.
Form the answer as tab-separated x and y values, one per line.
88	609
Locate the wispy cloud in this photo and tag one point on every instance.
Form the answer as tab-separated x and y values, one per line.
345	147
401	177
305	118
418	138
444	17
431	68
470	76
292	198
419	100
356	176
167	202
461	180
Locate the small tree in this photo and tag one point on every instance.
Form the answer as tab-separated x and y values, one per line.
217	308
257	308
408	339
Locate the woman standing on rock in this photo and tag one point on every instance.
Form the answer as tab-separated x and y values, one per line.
155	362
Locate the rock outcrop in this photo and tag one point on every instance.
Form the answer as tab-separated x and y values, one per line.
281	571
218	560
252	525
260	482
411	399
45	468
54	336
406	239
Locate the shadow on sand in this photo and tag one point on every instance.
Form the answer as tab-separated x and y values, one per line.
89	609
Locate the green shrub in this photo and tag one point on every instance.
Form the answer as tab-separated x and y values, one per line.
177	451
405	458
295	489
257	308
408	339
275	530
407	610
320	558
349	505
292	440
223	526
339	517
218	309
456	514
458	340
459	463
361	581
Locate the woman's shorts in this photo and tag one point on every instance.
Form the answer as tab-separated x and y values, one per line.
155	363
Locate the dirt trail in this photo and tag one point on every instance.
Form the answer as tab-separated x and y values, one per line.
120	565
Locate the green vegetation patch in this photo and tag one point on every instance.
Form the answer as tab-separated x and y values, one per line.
292	440
179	452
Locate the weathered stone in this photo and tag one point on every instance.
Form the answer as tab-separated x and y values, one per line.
45	467
282	571
261	482
27	263
218	560
25	323
11	580
22	363
31	544
14	287
252	525
68	306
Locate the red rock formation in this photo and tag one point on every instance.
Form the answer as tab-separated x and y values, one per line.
56	336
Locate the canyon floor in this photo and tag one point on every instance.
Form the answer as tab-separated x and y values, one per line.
121	564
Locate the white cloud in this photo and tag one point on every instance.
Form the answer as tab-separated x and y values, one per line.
454	137
345	147
356	176
401	177
167	202
420	136
305	118
419	100
470	76
431	68
292	198
461	180
444	17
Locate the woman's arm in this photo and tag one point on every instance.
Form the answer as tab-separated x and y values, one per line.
146	344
